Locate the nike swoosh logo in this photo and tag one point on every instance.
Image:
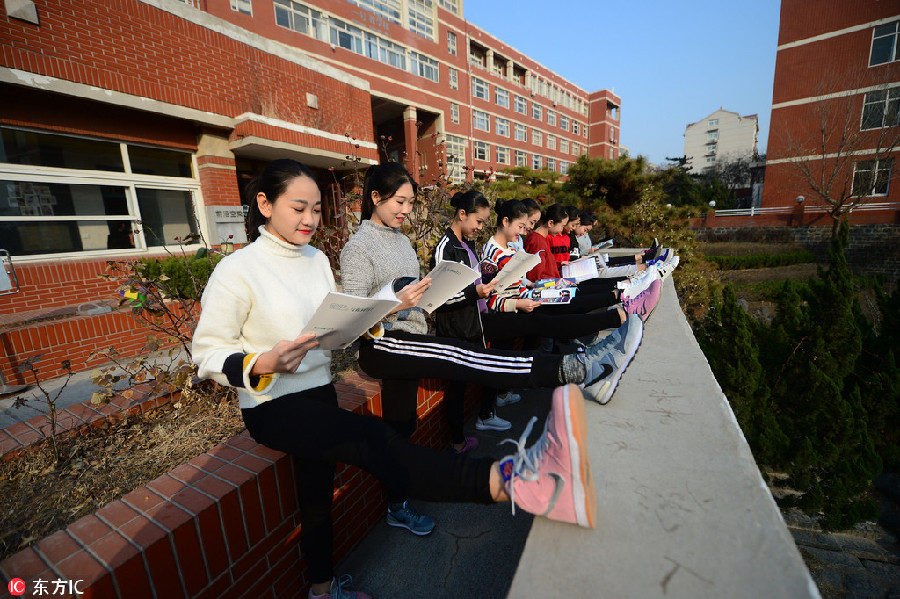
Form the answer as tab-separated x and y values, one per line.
559	483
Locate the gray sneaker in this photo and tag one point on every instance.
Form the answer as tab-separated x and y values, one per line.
508	398
492	423
406	516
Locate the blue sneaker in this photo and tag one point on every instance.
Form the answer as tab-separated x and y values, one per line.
617	356
406	516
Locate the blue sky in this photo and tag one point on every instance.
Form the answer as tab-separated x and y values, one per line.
672	63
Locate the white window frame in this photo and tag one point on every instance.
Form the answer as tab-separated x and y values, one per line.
481	89
551	141
520	132
563	167
551	117
455	157
420	17
315	23
502	154
126	179
888	107
501	97
451	42
537	137
424	66
537	162
242	6
895	42
713	123
502	126
537	111
563	145
453	76
521	158
479	116
551	164
454	112
883	169
481	150
563	122
520	105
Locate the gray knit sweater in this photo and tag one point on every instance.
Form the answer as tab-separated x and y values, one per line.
372	258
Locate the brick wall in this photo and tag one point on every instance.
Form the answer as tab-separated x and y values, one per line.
225	524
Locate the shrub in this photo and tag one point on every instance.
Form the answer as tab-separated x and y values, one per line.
761	260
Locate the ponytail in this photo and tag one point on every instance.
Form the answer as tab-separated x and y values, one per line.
510	210
554	212
468	201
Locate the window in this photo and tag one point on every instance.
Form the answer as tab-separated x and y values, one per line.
386	9
564	167
871	177
421	17
384	51
499	67
576	148
455	154
477	57
564	146
709	159
481	120
536	162
423	66
713	123
881	109
537	138
481	150
243	6
450	5
72	210
346	36
551	164
454	112
551	117
502	126
551	142
521	105
536	111
454	78
479	88
712	135
521	132
564	122
301	19
521	158
451	43
576	128
501	97
502	155
884	44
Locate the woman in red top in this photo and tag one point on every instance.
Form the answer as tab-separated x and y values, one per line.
553	219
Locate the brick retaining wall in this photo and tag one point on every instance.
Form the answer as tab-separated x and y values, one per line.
225	524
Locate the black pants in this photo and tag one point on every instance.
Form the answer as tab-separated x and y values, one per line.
400	359
312	428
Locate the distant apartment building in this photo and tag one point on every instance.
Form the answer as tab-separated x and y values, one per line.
723	135
128	124
835	102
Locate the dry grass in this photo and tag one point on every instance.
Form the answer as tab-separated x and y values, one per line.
38	497
746	248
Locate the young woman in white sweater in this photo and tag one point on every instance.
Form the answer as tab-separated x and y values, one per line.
256	303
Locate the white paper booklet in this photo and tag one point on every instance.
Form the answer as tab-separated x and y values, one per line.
342	318
581	269
447	279
515	269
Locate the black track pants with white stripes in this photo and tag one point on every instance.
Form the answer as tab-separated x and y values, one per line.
410	356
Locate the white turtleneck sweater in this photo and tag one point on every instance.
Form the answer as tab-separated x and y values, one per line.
263	293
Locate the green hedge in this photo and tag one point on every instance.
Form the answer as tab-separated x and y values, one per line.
186	276
762	260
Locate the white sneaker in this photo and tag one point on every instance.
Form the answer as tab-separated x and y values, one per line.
640	283
508	398
666	268
494	423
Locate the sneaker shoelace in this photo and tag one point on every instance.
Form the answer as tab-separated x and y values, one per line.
525	460
337	587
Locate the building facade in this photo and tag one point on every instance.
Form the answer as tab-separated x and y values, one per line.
834	125
723	135
130	126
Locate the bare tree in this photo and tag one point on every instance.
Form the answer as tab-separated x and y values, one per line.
844	147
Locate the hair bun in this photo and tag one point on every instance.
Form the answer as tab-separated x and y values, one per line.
499	204
456	200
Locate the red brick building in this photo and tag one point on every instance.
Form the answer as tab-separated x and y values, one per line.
837	71
129	123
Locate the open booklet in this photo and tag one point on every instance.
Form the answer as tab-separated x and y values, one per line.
520	263
581	269
552	296
341	318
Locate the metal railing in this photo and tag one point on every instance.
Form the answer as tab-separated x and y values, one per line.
808	209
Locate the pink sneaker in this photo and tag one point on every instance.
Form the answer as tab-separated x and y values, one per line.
645	302
552	478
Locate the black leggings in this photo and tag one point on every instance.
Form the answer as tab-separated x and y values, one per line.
311	427
416	357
